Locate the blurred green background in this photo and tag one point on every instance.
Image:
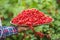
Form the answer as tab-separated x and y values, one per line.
10	9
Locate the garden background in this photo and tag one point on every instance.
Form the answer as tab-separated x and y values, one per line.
10	9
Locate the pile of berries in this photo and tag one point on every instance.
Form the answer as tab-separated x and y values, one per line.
30	18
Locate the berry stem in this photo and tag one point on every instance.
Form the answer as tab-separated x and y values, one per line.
31	27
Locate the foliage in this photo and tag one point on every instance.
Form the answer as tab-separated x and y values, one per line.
10	8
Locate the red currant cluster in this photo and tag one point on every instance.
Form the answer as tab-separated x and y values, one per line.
30	18
41	35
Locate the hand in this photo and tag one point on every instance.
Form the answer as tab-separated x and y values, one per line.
22	28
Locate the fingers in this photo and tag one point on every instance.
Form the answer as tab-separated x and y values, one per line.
20	29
